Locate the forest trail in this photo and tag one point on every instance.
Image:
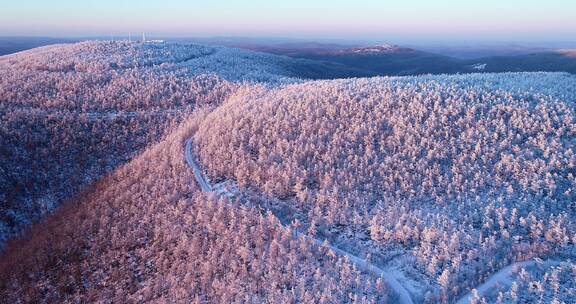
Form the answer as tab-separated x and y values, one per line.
204	185
502	278
389	278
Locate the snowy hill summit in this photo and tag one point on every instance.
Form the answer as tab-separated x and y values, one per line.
568	52
187	59
377	49
99	56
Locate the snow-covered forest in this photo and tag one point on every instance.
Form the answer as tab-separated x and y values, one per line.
438	181
446	181
146	233
71	113
67	118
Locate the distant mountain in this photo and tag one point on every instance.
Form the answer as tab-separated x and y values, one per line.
551	61
480	50
9	45
568	52
394	60
75	111
278	48
376	50
388	60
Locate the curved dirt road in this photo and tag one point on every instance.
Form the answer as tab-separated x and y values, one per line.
502	278
401	292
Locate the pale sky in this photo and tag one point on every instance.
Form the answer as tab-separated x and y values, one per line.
357	19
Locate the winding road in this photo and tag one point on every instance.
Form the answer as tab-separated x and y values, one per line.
502	278
204	185
401	292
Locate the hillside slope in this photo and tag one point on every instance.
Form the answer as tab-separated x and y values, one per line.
71	113
145	233
388	60
392	60
455	179
556	61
